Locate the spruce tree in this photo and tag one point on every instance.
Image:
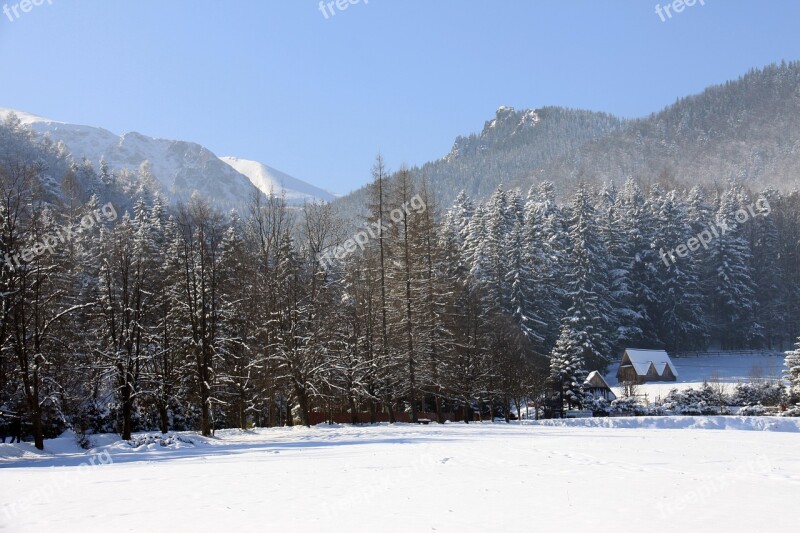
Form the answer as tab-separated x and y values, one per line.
567	366
590	309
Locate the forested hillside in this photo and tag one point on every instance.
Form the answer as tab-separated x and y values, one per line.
746	130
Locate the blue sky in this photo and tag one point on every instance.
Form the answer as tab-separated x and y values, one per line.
275	81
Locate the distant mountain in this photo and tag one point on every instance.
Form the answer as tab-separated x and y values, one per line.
271	181
179	168
746	130
512	145
508	151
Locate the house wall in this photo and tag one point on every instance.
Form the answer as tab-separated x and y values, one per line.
627	374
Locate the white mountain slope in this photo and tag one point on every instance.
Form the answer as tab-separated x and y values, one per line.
272	181
179	167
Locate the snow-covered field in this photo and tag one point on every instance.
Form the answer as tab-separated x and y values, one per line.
592	475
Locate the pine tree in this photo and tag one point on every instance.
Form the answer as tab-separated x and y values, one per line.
545	254
499	229
623	293
590	311
678	308
733	292
792	364
567	372
764	240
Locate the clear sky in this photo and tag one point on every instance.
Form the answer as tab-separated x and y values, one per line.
275	81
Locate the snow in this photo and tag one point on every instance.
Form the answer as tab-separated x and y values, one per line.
593	375
271	181
26	118
629	474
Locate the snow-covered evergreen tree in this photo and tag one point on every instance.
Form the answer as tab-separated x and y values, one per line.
792	364
733	290
678	306
590	309
567	367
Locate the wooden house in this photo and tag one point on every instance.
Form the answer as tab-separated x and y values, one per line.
598	388
644	366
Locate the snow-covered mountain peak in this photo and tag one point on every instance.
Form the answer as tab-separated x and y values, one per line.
26	118
272	181
180	168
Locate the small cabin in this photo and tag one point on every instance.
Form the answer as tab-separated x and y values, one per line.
598	388
645	366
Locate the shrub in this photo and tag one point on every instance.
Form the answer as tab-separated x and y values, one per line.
629	405
792	411
691	402
769	393
752	410
600	407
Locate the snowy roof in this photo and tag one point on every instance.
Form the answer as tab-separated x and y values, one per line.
641	360
594	379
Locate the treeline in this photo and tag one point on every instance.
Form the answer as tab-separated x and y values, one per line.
193	319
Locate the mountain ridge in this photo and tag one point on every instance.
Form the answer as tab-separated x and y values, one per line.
179	168
745	130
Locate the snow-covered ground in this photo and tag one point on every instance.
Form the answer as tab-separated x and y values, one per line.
607	475
693	371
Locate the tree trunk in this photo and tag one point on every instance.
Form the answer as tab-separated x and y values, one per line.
352	403
36	412
163	416
38	434
373	412
127	413
302	399
205	396
390	409
288	414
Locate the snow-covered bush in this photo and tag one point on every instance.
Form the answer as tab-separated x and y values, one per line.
92	417
600	407
752	410
656	410
691	402
792	372
185	416
792	411
629	405
769	393
138	441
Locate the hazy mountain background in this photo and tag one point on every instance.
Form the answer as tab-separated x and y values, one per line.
746	130
176	169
